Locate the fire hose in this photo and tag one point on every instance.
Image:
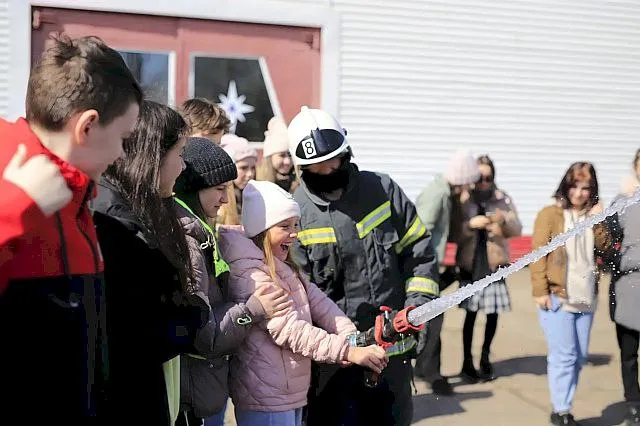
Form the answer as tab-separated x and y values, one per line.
390	327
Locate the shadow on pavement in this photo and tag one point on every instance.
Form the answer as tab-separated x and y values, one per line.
612	415
537	364
598	360
429	405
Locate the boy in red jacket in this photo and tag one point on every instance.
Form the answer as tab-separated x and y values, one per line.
82	101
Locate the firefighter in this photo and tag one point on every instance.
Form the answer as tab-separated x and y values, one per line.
363	243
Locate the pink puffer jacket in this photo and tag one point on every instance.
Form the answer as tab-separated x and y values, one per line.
272	369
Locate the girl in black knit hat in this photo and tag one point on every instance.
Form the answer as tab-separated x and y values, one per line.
200	191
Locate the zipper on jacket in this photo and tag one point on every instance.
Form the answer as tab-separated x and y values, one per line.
284	365
338	264
91	310
94	250
85	208
63	247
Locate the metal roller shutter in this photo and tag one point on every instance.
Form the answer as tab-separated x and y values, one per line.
536	84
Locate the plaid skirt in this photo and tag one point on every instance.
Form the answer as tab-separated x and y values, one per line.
493	299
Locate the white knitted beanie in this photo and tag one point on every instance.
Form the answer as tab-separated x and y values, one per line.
462	169
265	204
237	147
276	138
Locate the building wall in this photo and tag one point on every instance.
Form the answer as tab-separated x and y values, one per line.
537	84
4	57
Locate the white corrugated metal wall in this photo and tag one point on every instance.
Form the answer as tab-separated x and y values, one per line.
537	84
4	57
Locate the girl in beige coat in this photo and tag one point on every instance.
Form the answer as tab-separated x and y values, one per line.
565	283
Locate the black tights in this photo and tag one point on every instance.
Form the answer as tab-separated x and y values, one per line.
489	333
628	341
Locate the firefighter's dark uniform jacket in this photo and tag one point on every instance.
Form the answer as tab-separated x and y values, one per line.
367	249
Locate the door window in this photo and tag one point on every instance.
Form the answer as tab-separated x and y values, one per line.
241	86
154	73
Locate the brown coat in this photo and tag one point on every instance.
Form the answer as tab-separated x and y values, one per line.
548	275
497	245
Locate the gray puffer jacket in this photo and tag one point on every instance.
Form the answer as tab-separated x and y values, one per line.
204	375
625	289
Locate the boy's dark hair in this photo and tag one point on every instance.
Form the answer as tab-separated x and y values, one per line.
205	116
76	75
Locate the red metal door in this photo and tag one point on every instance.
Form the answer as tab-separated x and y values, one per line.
181	54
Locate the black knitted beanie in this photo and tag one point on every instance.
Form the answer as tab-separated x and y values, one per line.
207	165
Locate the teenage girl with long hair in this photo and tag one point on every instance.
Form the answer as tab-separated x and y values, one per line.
565	283
152	315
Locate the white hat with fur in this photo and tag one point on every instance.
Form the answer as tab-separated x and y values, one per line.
462	168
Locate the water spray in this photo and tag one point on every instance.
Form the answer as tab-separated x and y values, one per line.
430	310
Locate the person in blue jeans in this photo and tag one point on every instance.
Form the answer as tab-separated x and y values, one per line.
565	284
218	419
257	418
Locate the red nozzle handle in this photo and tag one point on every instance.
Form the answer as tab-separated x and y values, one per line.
401	323
379	328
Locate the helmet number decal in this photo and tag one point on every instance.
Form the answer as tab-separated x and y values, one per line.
309	148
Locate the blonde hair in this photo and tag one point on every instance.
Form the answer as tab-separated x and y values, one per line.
263	241
228	213
266	171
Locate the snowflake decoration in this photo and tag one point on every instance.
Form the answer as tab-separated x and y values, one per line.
234	105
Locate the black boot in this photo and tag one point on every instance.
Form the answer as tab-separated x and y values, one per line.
563	420
469	373
440	386
486	369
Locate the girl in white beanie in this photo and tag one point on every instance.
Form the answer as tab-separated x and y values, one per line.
271	372
276	165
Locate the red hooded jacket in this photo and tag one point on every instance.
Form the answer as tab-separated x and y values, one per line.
50	293
31	244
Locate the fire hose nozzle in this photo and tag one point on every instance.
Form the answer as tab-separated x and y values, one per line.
401	323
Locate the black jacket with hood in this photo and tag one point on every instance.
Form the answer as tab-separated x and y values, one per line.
145	325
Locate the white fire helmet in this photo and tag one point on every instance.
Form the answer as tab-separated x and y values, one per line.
315	136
